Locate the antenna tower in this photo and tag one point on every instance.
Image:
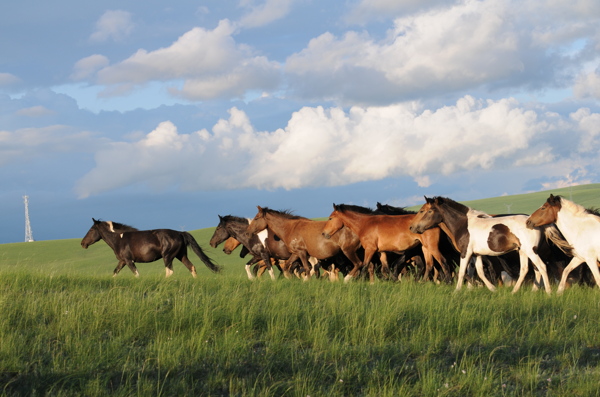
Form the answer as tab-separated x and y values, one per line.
28	233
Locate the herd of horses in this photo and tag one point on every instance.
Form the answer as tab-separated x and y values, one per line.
443	241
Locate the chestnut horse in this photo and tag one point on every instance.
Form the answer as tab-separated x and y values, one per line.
580	228
131	245
380	233
302	237
475	233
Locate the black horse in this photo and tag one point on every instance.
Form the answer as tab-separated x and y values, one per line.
131	245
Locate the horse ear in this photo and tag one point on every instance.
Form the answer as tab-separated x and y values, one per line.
220	217
95	221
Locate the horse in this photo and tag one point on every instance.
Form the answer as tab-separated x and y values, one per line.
475	233
378	233
235	226
302	237
131	245
580	229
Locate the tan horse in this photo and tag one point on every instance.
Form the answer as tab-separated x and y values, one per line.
381	233
303	238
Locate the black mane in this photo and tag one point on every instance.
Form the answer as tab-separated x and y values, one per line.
283	213
452	204
233	218
391	210
353	208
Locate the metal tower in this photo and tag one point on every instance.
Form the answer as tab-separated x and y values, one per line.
28	233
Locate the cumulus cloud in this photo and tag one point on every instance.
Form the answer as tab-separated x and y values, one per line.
588	85
332	147
35	111
88	66
113	25
30	143
463	46
265	13
209	62
8	79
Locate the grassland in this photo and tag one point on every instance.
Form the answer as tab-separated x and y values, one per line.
68	328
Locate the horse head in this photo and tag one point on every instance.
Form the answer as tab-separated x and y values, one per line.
546	214
259	222
334	223
221	234
92	236
428	215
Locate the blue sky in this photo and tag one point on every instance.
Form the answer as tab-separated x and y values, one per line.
165	116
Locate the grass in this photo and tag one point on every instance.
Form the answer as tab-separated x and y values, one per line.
90	335
68	328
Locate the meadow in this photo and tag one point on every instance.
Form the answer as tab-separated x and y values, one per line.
68	328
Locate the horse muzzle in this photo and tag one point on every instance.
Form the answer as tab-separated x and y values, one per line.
326	235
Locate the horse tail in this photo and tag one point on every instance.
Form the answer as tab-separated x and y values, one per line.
553	234
191	242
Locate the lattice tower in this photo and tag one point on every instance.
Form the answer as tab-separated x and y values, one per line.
28	232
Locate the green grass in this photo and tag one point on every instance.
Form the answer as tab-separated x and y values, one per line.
67	328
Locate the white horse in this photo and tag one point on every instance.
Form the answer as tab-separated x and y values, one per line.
580	228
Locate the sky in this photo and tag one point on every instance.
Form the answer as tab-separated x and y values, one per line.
166	116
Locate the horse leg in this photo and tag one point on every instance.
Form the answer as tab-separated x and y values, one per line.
287	264
541	269
593	265
481	273
385	268
185	260
464	262
572	265
428	262
524	261
307	268
119	267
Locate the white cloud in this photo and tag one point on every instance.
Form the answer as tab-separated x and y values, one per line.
465	46
114	25
35	111
209	62
8	79
265	13
25	144
332	147
87	67
587	85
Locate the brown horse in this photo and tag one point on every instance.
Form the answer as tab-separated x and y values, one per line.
302	237
380	233
131	245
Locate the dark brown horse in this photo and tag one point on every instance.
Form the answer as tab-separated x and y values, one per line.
236	227
380	233
302	237
131	245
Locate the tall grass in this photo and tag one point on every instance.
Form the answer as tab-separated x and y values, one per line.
83	335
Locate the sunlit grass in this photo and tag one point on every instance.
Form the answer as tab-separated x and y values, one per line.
92	335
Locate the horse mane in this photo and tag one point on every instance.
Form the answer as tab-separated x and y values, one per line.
576	209
233	218
283	213
453	204
553	234
354	208
121	227
391	210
